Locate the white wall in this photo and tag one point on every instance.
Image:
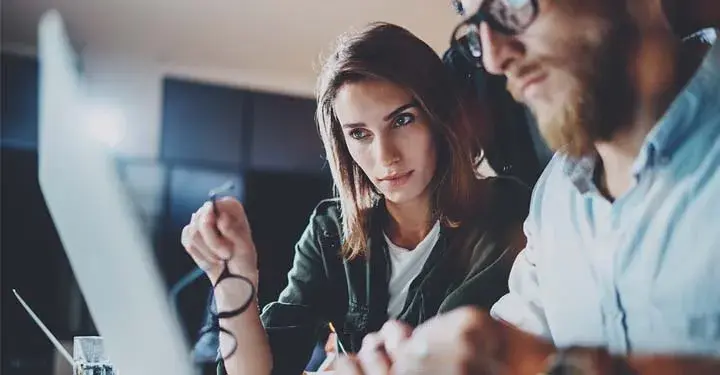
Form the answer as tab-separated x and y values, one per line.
134	86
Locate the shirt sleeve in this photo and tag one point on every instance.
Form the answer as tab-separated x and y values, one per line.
292	321
522	306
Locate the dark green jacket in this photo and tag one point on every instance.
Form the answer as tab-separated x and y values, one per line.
469	265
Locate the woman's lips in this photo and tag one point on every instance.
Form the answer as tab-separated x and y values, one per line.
397	180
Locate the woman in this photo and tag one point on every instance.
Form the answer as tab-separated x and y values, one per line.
412	233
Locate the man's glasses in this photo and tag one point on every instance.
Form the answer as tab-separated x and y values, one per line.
510	17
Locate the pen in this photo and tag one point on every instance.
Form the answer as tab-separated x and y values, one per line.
224	188
339	342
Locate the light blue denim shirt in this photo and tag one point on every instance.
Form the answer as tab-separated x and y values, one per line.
641	274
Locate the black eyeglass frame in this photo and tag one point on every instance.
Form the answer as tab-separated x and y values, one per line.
480	16
225	275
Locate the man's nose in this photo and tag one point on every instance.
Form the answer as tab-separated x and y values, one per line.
499	51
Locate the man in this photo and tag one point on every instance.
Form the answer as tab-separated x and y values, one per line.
619	274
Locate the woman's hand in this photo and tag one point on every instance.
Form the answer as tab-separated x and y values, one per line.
211	240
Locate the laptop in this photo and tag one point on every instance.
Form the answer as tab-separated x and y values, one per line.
106	244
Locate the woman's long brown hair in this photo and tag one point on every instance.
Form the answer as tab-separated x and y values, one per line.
387	52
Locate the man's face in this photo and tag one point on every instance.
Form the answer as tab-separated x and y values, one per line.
570	66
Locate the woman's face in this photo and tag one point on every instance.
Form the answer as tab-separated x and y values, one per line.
389	137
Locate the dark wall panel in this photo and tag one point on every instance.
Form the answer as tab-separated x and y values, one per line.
202	122
34	263
19	96
285	137
278	206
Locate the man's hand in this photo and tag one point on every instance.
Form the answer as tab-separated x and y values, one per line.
378	351
464	341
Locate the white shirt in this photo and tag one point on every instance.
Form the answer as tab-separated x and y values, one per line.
639	274
405	266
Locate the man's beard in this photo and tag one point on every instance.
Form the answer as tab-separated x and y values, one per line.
599	103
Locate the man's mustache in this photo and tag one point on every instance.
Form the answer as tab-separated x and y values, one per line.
516	77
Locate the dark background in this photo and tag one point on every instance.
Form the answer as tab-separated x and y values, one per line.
266	143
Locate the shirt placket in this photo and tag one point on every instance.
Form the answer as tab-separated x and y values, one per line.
608	242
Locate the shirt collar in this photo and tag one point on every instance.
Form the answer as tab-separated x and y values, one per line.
580	171
699	97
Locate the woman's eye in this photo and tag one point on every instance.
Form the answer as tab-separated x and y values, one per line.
359	134
404	119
